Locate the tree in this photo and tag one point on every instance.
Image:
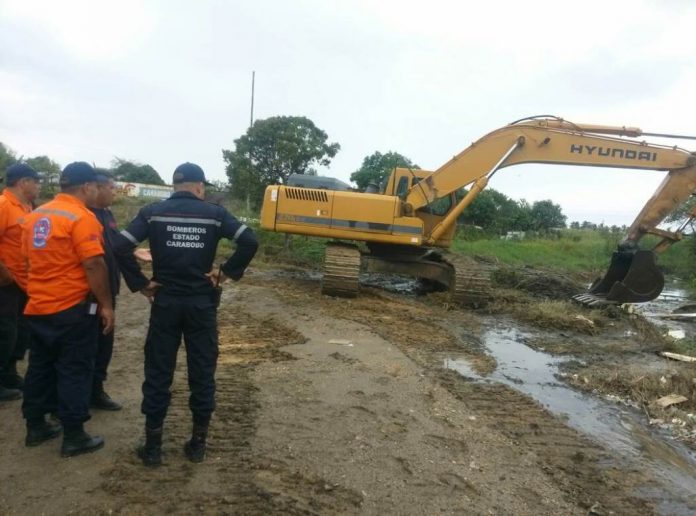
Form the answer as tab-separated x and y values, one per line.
271	150
50	174
132	172
547	215
7	158
494	211
376	167
44	165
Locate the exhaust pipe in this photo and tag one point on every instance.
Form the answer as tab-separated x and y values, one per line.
633	277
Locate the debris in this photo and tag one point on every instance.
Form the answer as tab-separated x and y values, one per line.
341	342
584	319
677	356
676	334
672	316
670	399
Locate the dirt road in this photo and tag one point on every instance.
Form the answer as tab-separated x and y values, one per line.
327	406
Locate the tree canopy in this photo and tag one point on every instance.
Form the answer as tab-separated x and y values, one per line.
133	172
7	158
497	213
271	150
376	167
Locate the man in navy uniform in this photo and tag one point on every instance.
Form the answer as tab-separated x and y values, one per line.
125	264
183	232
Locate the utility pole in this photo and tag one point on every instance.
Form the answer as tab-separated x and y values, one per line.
251	123
253	78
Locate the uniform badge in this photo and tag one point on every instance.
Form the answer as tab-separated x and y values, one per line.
42	228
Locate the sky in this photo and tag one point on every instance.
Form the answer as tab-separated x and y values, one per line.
168	81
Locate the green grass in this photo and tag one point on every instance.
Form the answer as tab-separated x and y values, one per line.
582	252
576	251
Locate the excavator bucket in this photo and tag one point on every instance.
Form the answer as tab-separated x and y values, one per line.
633	277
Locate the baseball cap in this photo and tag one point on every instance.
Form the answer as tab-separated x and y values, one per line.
77	173
189	173
20	171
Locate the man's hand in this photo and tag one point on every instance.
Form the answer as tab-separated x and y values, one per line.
150	291
107	319
143	255
216	278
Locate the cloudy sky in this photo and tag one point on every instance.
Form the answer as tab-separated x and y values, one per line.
162	82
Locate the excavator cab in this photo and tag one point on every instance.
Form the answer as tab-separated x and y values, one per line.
633	277
402	180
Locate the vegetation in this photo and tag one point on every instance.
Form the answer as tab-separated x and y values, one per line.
272	150
377	167
495	213
133	172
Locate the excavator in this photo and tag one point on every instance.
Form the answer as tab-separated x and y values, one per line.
403	228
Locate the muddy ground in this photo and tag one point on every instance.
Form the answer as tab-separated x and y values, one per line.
335	406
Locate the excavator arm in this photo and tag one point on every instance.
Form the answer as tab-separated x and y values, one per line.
633	275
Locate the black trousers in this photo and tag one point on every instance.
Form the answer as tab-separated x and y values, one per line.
105	350
61	365
14	329
194	317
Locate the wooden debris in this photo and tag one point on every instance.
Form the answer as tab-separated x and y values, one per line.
677	356
585	320
341	342
670	399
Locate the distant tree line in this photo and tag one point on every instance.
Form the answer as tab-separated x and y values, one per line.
121	169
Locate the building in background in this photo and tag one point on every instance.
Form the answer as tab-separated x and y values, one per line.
142	190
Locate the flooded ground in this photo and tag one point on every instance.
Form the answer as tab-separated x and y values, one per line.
618	428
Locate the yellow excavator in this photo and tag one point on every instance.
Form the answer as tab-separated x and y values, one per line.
403	226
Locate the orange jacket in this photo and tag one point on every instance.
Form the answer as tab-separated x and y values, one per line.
12	213
58	237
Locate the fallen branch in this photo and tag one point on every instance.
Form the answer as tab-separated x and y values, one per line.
677	356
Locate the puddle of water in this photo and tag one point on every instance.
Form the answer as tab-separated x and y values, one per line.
619	429
670	299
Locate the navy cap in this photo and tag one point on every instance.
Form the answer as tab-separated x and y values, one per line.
77	173
20	171
189	173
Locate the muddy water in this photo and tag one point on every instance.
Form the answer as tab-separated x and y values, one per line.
671	298
620	429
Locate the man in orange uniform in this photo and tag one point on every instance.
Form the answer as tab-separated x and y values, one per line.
68	287
22	187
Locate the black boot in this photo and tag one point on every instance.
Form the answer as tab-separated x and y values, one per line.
151	451
76	441
40	431
101	400
195	448
11	378
9	394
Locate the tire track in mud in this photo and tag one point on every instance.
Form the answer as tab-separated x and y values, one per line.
232	480
427	335
573	462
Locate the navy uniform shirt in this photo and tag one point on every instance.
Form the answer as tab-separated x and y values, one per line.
184	232
124	263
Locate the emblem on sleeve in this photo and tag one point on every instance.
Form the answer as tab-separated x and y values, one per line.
42	228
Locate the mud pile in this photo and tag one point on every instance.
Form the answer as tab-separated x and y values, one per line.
537	282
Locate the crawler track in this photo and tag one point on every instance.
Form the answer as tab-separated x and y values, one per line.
341	271
472	284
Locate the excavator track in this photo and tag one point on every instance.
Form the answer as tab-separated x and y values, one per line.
472	284
341	271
